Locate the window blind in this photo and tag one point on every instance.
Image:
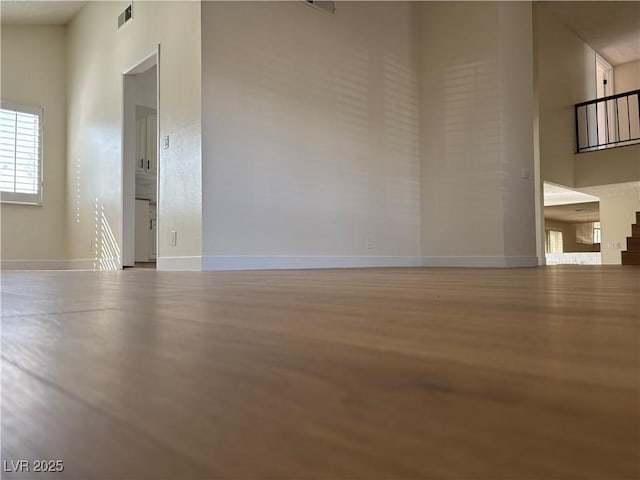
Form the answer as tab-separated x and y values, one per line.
584	233
20	153
554	241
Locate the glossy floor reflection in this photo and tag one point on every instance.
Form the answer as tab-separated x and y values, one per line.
372	373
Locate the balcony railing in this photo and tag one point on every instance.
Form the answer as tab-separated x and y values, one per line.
608	122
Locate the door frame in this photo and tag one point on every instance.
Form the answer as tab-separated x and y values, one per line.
604	66
128	156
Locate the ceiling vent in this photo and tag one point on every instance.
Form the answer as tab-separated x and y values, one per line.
125	16
327	6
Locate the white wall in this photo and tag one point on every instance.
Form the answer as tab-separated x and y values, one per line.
476	109
310	135
565	76
626	77
618	209
515	45
98	55
34	74
317	128
610	166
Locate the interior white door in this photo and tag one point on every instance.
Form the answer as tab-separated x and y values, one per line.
606	129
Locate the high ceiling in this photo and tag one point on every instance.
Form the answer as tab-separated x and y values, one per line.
38	12
571	206
566	205
611	28
574	213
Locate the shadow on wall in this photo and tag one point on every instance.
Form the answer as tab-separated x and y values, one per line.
334	136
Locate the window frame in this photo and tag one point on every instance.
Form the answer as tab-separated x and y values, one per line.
597	238
34	199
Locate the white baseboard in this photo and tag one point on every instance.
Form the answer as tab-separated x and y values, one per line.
179	264
100	264
523	262
480	261
197	263
69	264
291	262
33	265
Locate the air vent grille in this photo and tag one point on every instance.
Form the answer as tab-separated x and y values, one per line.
125	16
325	5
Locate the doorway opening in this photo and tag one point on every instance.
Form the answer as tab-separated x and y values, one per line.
140	163
572	226
606	112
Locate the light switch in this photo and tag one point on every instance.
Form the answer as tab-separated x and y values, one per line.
165	142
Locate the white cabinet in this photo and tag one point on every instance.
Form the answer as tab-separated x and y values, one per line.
146	140
141	144
152	143
145	240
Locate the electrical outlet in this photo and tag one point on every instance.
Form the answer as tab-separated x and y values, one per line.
174	238
369	243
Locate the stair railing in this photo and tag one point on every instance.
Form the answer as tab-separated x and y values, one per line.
608	122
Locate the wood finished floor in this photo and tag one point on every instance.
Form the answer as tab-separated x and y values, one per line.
340	374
